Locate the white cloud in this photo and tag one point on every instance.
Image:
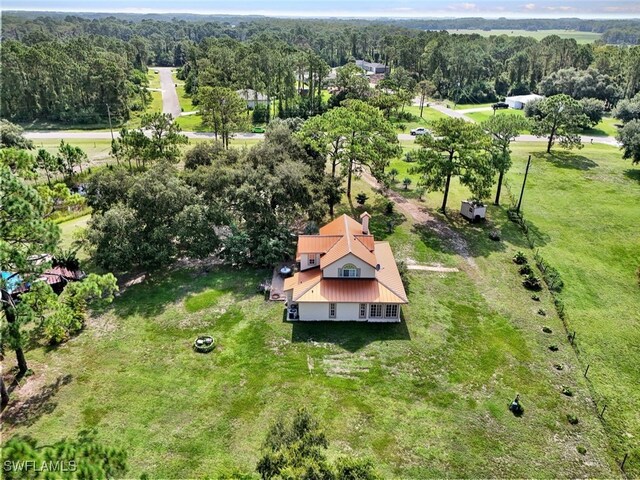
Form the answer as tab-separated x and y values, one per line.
530	6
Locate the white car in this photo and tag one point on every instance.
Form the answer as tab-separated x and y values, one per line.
419	131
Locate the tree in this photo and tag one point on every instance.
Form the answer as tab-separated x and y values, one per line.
204	153
222	110
629	137
593	109
353	135
12	136
90	458
70	157
165	137
628	110
560	119
362	198
426	89
503	129
25	233
296	449
394	173
406	182
46	162
454	148
352	84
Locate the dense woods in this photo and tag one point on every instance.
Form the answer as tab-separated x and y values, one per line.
74	69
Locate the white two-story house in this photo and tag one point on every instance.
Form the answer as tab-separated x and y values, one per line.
345	275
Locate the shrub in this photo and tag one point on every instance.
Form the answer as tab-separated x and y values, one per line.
394	173
558	366
388	209
406	182
494	235
532	282
547	330
550	274
581	450
421	191
520	258
535	298
401	126
525	269
542	312
567	391
362	198
409	157
572	419
553	348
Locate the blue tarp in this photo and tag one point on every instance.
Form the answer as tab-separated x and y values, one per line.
11	281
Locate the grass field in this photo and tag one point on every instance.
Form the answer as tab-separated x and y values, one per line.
583	205
482	116
428	115
425	398
580	37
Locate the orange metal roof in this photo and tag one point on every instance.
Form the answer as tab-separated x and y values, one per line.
316	243
349	291
341	237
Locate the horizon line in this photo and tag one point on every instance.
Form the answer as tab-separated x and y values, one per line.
316	15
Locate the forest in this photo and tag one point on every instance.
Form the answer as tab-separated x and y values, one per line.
99	64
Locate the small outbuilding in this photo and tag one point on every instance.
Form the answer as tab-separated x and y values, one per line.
253	98
519	101
473	210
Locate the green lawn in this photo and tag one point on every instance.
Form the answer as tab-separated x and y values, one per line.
606	128
154	78
191	123
425	398
428	115
580	37
185	100
584	204
482	116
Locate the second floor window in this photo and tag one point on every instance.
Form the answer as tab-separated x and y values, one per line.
349	270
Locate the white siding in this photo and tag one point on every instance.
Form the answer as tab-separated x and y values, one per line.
304	260
331	271
345	312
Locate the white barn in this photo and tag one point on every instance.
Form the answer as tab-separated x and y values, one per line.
519	101
344	275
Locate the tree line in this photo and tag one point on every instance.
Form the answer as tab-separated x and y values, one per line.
76	80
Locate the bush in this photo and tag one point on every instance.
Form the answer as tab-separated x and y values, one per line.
547	330
495	235
542	312
388	209
525	269
572	419
362	198
409	157
520	258
532	282
553	348
567	391
581	450
406	182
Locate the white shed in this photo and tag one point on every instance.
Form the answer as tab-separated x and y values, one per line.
473	210
519	101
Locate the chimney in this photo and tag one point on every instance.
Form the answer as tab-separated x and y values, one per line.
364	219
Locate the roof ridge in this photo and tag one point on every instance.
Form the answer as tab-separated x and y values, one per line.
404	297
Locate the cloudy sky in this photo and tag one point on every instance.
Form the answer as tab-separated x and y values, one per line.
359	8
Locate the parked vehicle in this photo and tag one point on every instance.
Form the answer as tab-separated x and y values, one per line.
258	130
500	105
419	131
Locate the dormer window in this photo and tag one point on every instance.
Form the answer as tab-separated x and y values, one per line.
312	259
350	271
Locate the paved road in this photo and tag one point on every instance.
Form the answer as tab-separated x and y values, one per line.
91	135
170	102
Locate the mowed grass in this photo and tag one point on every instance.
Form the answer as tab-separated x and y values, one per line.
580	37
482	116
584	205
424	398
428	116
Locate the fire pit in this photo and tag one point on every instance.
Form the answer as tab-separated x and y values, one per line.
204	344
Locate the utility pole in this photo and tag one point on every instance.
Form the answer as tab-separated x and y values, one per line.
524	182
112	138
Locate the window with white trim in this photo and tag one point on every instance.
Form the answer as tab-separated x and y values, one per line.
375	311
332	310
391	311
349	270
363	310
312	259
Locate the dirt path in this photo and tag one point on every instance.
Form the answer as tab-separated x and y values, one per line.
422	216
170	102
433	268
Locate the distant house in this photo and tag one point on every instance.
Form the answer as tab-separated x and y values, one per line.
372	67
519	101
253	98
345	275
